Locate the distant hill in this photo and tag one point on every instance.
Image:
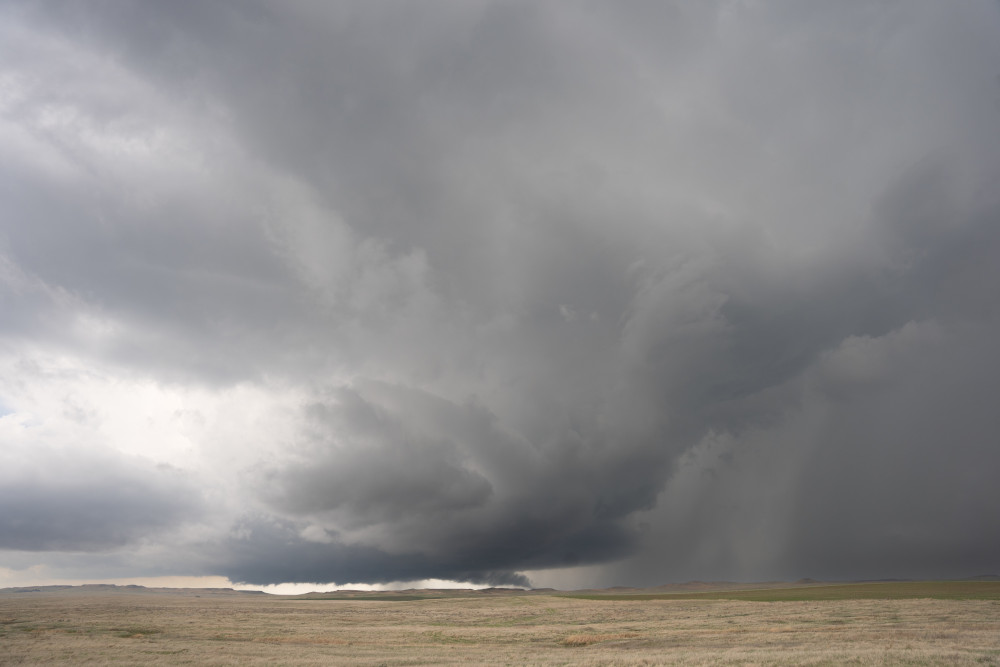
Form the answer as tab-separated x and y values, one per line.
123	590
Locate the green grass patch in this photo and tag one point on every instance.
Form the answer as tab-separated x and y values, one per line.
893	590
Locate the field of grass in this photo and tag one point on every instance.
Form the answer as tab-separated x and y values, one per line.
881	624
894	590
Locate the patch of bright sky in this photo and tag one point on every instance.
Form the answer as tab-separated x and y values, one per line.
297	589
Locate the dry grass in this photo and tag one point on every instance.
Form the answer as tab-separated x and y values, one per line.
120	627
586	640
883	590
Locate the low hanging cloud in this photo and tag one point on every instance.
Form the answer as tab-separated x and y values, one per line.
373	293
57	499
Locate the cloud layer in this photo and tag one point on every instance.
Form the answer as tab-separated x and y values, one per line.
487	290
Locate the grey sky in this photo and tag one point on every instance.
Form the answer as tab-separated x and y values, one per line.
600	293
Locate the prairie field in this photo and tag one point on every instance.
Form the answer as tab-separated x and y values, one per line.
822	625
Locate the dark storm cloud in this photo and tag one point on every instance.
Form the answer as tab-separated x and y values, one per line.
384	472
707	287
415	474
267	551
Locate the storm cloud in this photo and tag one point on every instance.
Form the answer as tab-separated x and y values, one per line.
492	291
58	500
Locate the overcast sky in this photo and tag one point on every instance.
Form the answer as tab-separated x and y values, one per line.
501	292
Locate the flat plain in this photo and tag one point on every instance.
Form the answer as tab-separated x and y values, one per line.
946	623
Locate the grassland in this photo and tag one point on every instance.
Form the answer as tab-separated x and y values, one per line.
953	623
896	590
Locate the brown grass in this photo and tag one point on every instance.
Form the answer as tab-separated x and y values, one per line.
586	640
120	627
883	590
